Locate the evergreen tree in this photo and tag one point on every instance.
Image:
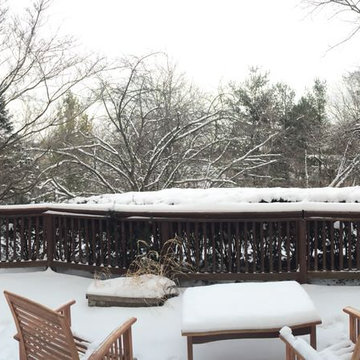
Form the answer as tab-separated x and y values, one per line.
5	123
306	138
67	178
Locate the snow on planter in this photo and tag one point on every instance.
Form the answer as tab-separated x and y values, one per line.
131	291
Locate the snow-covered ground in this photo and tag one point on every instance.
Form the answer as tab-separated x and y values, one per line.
157	333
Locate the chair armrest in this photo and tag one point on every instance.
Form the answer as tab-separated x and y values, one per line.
119	342
65	310
354	322
291	350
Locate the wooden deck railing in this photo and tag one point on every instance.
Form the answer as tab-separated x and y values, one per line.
239	246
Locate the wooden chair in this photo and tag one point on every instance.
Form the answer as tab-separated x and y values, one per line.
298	349
45	334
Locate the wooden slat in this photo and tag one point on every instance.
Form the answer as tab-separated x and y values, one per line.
101	242
7	240
80	244
87	239
323	239
197	247
37	233
279	234
246	246
108	243
117	257
341	246
254	246
213	247
349	245
205	244
230	245
66	239
221	246
288	259
123	245
72	240
316	242
332	246
237	247
29	241
271	247
358	245
93	241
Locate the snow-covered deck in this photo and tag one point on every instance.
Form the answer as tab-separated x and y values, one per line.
157	333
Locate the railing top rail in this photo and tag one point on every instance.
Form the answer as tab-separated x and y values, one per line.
72	214
288	211
332	215
158	215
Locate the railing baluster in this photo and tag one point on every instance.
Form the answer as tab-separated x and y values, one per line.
332	245
93	242
197	250
254	246
341	247
28	243
246	247
288	246
123	245
237	247
349	245
205	240
7	240
271	265
323	238
279	247
221	246
316	244
230	247
101	242
213	247
80	232
357	245
109	237
262	248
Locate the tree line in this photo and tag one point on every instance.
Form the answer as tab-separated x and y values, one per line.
75	125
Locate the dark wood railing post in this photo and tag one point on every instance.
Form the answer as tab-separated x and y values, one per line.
49	238
301	237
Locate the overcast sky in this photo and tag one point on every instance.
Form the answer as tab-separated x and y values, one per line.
216	41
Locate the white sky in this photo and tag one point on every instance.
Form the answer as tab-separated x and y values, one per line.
216	41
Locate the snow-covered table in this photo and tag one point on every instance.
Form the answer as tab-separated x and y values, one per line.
246	310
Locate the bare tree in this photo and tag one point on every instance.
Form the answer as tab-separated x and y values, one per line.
158	132
346	133
37	70
338	7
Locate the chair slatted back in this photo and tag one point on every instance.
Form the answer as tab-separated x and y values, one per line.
44	334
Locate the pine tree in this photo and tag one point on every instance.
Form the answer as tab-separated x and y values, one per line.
5	123
68	178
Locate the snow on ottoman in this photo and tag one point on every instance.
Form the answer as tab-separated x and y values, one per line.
132	291
243	310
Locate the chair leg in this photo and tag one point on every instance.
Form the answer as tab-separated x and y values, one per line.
189	348
313	336
22	355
